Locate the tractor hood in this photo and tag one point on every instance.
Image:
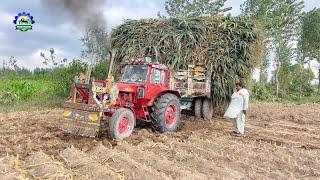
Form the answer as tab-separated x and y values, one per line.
128	87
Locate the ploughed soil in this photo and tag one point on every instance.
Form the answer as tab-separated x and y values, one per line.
281	141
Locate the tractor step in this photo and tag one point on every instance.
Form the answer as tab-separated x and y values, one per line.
146	112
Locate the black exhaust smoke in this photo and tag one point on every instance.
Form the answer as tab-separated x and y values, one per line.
84	14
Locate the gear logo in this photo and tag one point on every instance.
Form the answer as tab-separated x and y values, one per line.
23	21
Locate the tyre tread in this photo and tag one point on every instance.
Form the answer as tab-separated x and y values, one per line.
113	121
159	109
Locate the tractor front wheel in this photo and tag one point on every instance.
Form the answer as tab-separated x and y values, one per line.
121	124
166	113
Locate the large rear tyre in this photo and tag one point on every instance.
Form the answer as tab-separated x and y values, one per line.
198	108
121	124
207	109
166	113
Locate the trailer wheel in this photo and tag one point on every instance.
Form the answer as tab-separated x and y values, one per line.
198	108
121	124
166	113
207	109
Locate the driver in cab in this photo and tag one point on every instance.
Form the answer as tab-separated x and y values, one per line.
134	78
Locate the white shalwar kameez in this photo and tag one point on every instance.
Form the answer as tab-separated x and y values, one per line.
239	102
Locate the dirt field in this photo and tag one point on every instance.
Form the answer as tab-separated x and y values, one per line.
281	141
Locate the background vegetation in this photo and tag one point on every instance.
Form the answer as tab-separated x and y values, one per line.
41	88
291	38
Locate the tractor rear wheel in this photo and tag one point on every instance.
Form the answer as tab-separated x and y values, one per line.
198	108
121	124
207	109
166	113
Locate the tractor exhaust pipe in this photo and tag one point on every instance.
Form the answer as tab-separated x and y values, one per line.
89	69
110	64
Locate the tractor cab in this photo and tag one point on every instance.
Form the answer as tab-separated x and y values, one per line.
143	70
142	82
144	78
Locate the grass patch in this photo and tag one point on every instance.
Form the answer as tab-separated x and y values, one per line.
27	93
303	100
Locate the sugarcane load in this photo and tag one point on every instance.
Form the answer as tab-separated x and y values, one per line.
163	66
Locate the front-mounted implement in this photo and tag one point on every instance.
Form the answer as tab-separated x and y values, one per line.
84	110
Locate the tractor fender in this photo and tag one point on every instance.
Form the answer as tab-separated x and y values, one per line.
126	107
176	93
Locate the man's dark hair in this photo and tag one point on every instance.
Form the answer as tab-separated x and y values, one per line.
239	84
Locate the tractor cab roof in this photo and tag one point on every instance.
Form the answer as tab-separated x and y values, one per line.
147	60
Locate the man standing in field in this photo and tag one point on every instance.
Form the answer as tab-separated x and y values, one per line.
237	109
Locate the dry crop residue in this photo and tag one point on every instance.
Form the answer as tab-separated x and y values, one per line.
281	141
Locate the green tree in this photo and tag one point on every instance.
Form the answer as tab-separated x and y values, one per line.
96	42
281	21
309	43
295	81
310	36
263	78
187	8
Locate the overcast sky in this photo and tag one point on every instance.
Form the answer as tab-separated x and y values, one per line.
54	31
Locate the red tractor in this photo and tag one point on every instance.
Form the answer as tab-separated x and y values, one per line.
146	92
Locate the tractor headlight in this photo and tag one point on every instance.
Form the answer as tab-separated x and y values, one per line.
93	117
140	93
